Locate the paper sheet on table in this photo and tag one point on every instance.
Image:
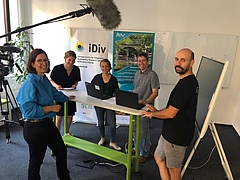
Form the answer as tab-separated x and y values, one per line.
70	88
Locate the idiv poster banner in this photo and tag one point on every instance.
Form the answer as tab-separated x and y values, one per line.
90	46
126	47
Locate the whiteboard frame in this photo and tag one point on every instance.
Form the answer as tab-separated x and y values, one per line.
211	125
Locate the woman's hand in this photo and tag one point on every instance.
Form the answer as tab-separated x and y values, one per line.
58	87
74	86
71	97
53	108
56	108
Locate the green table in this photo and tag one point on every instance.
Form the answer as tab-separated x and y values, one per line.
108	153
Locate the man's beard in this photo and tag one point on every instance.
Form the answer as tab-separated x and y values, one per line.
182	71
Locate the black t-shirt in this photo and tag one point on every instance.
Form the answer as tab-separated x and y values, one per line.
180	129
59	75
108	88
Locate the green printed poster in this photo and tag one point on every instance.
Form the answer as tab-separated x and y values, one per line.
126	47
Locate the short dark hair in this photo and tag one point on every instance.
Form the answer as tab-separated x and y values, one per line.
144	55
70	53
192	55
32	59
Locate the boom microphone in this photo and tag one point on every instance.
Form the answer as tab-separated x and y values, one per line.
106	12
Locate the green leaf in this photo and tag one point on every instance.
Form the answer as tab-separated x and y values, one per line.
23	42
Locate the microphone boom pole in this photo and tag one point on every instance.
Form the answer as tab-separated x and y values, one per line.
69	15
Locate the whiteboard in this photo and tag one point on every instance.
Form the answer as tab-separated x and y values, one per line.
208	76
220	47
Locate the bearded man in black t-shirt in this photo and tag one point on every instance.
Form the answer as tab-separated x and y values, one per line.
178	118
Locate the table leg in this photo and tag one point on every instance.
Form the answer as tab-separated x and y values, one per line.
137	148
130	143
65	117
133	119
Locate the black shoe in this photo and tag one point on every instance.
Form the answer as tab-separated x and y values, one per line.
142	159
126	148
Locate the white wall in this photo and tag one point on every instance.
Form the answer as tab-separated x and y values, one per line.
212	17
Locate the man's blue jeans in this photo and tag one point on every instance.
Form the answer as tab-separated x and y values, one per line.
144	137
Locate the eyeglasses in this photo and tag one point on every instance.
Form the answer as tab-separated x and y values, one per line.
40	61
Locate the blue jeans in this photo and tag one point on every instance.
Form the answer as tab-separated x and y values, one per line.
108	116
144	137
39	136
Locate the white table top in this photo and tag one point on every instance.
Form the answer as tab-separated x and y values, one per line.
81	96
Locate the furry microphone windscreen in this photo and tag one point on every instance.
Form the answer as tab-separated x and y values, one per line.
106	12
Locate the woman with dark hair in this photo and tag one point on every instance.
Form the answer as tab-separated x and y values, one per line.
36	101
109	85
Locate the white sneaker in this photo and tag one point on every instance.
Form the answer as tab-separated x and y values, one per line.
115	146
101	142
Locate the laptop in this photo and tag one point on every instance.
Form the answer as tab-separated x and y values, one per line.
94	90
128	99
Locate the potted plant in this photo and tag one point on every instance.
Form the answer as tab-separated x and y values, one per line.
21	41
